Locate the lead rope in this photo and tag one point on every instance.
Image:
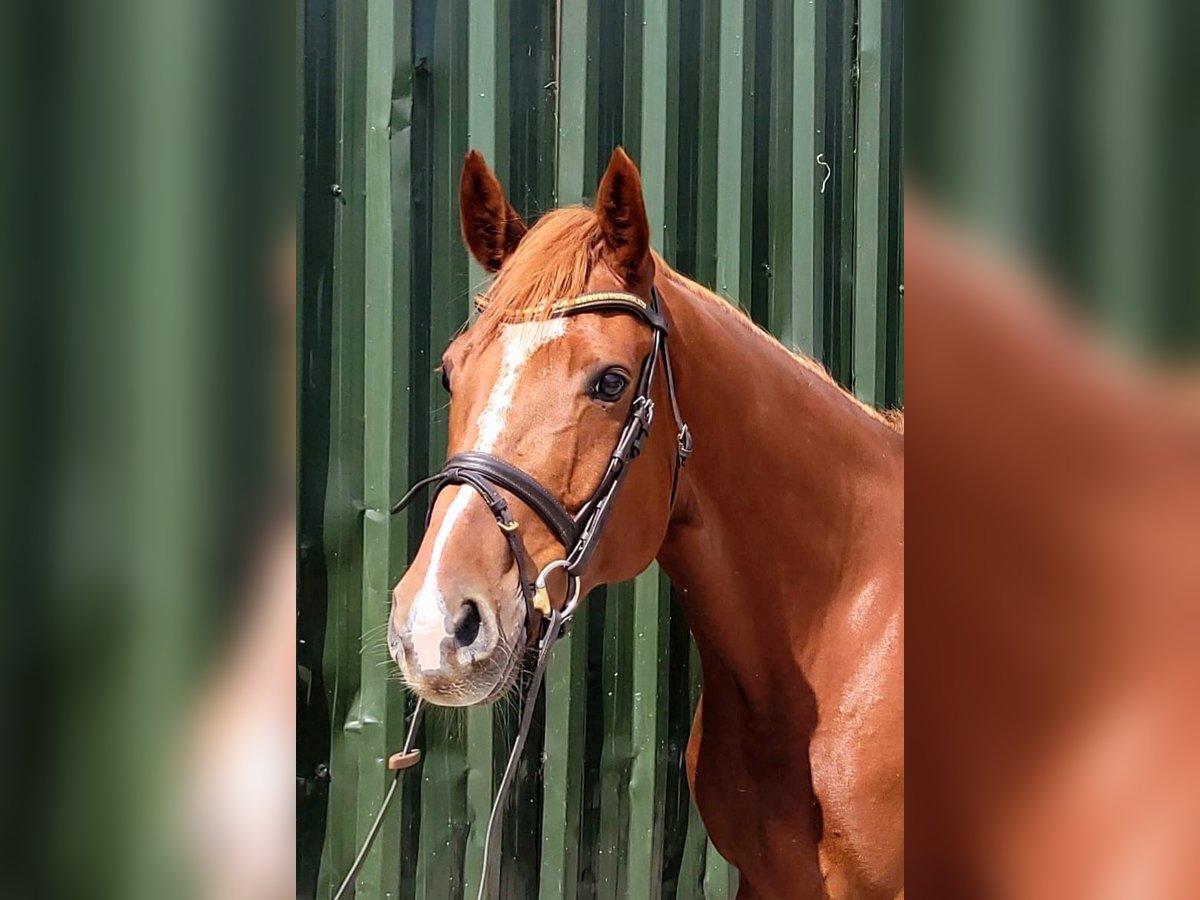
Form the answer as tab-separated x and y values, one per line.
558	618
357	865
514	757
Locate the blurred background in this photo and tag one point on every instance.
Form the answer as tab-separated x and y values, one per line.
146	233
1053	451
1066	133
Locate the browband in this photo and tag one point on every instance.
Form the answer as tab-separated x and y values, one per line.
595	301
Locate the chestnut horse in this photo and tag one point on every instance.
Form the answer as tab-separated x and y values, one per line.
785	540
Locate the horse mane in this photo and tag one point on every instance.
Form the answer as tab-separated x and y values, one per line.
553	262
892	418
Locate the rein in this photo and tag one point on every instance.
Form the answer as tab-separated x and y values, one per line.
578	534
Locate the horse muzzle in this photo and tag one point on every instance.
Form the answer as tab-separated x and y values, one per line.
457	653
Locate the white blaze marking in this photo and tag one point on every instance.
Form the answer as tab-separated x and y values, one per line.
427	618
520	343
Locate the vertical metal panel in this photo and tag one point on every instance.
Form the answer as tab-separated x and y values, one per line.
707	138
343	505
315	246
566	676
877	252
778	177
889	288
733	209
732	205
615	661
408	316
835	20
380	711
801	325
690	881
870	202
651	591
530	184
445	823
726	107
486	45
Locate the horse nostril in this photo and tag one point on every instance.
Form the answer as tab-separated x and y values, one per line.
466	629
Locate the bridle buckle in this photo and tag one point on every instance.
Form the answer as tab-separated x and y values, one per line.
642	413
541	594
685	445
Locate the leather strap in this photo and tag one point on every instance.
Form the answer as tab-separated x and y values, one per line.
598	301
508	476
504	520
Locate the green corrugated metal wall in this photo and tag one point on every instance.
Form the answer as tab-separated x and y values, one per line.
768	138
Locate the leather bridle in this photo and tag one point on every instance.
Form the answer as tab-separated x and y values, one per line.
578	534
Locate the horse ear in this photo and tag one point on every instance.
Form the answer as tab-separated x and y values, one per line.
490	227
622	213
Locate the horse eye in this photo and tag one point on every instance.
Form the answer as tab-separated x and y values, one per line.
446	381
609	386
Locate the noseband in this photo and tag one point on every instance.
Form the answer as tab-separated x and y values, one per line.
578	534
488	475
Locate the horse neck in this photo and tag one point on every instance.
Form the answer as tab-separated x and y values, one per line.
791	492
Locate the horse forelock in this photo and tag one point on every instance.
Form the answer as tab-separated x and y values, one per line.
552	262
